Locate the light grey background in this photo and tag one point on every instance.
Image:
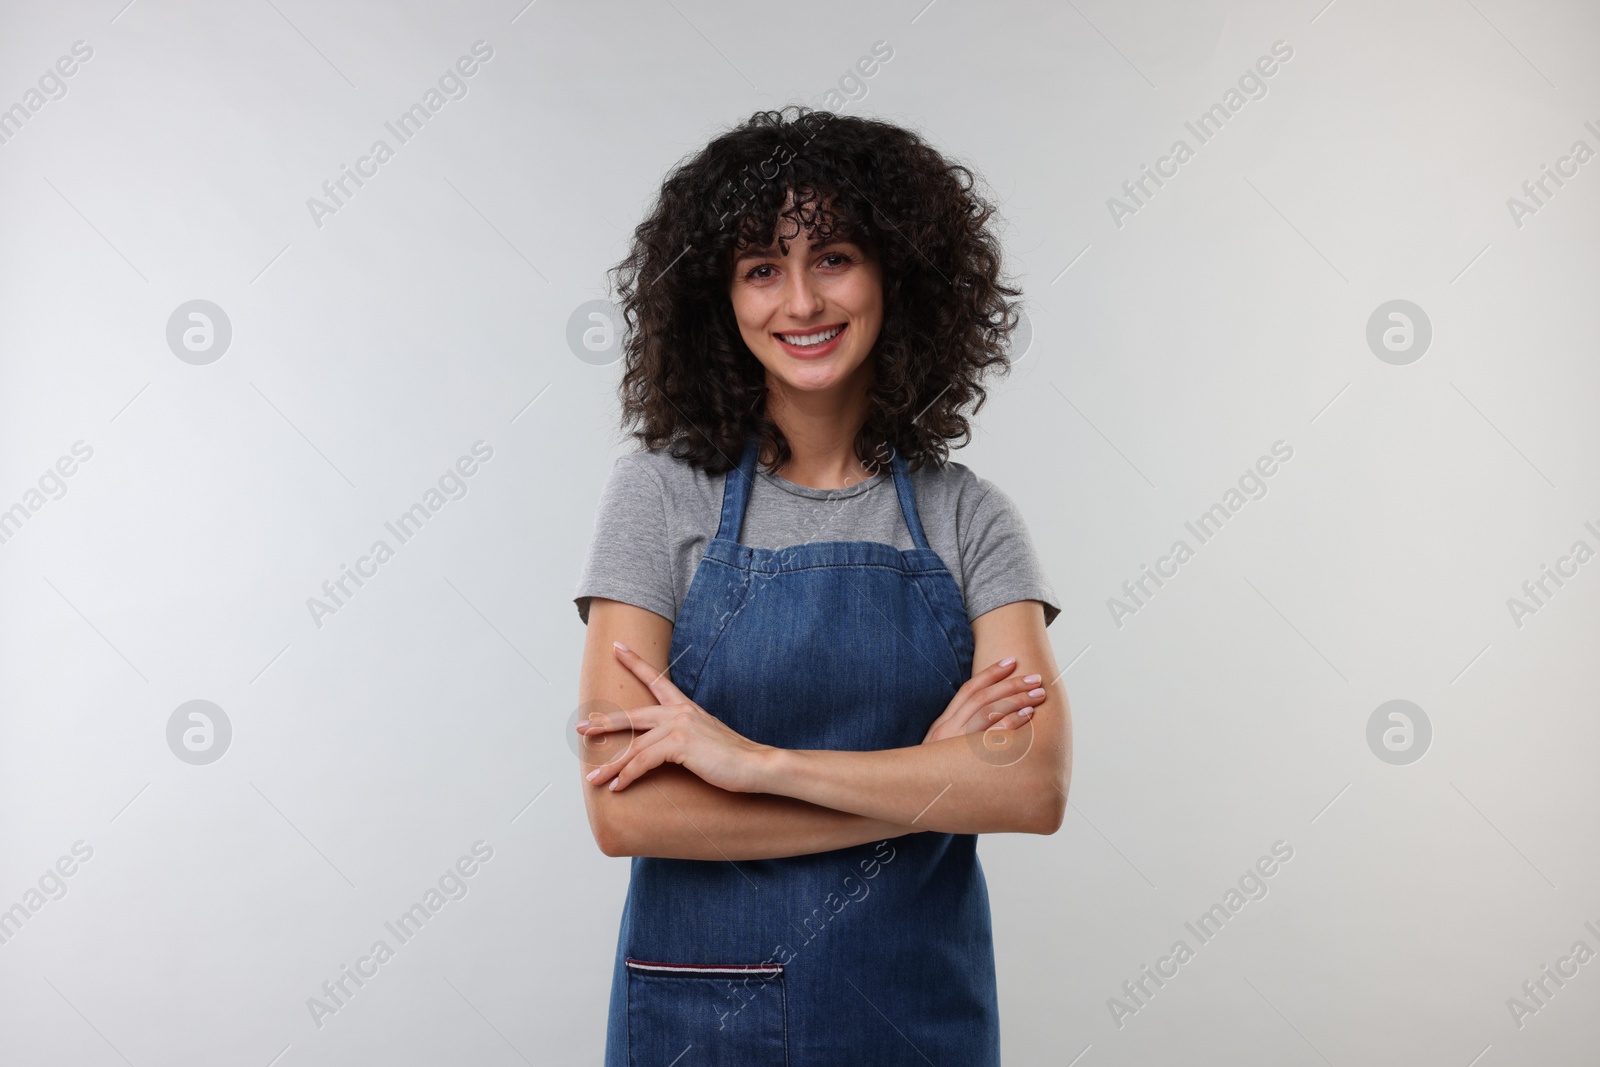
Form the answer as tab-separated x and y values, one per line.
430	312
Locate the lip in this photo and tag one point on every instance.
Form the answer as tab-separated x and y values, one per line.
813	351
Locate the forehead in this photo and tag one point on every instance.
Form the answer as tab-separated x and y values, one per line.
803	222
798	245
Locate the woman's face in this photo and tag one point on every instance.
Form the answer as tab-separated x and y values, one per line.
811	316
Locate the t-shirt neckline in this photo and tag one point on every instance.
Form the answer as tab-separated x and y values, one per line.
795	489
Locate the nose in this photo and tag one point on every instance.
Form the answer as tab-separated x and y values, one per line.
802	299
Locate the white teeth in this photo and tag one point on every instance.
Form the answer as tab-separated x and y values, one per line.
806	340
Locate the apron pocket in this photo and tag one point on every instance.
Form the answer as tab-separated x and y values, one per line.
706	1015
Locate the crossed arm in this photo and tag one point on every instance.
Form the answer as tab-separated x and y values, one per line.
781	802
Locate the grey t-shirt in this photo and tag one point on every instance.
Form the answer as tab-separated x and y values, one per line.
657	512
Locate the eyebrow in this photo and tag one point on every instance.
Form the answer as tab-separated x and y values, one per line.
771	251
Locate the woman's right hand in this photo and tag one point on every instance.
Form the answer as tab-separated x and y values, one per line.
989	699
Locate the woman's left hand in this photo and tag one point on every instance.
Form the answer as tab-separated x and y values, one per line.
675	730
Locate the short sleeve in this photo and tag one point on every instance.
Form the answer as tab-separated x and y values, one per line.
998	561
627	559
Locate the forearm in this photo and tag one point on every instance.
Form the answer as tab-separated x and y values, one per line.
950	786
672	813
769	802
1015	781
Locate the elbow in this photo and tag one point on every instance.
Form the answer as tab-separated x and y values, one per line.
1052	779
609	834
1054	816
608	841
1046	819
1050	809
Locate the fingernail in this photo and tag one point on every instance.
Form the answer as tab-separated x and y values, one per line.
1036	692
1024	713
1034	679
1008	661
620	645
613	784
592	775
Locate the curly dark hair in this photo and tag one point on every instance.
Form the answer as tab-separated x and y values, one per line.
691	384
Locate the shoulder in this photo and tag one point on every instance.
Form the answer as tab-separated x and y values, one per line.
999	563
658	472
953	480
676	476
956	489
670	489
662	467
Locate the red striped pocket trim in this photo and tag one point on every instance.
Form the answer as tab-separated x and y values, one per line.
703	968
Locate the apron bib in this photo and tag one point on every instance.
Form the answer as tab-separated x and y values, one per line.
880	953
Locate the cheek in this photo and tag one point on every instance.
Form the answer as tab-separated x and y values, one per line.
749	311
869	307
751	314
861	293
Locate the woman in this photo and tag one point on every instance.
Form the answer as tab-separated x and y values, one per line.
785	595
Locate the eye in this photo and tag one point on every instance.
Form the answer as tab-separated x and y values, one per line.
751	273
843	258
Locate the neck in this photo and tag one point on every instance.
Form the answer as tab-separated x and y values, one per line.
821	429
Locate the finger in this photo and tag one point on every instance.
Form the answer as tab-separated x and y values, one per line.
650	675
962	705
1007	687
643	760
984	700
989	675
641	718
596	750
599	722
1011	704
606	771
1011	687
613	767
1016	702
659	683
1014	721
642	738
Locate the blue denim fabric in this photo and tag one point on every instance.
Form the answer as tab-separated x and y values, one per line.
880	953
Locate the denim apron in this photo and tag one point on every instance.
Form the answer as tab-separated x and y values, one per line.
880	953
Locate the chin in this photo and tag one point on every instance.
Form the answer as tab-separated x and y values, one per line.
814	378
810	383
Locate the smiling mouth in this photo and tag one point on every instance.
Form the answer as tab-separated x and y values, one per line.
813	338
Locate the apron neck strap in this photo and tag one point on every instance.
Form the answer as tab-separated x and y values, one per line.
908	499
736	495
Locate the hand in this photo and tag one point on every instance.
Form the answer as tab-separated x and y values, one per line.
675	730
989	700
